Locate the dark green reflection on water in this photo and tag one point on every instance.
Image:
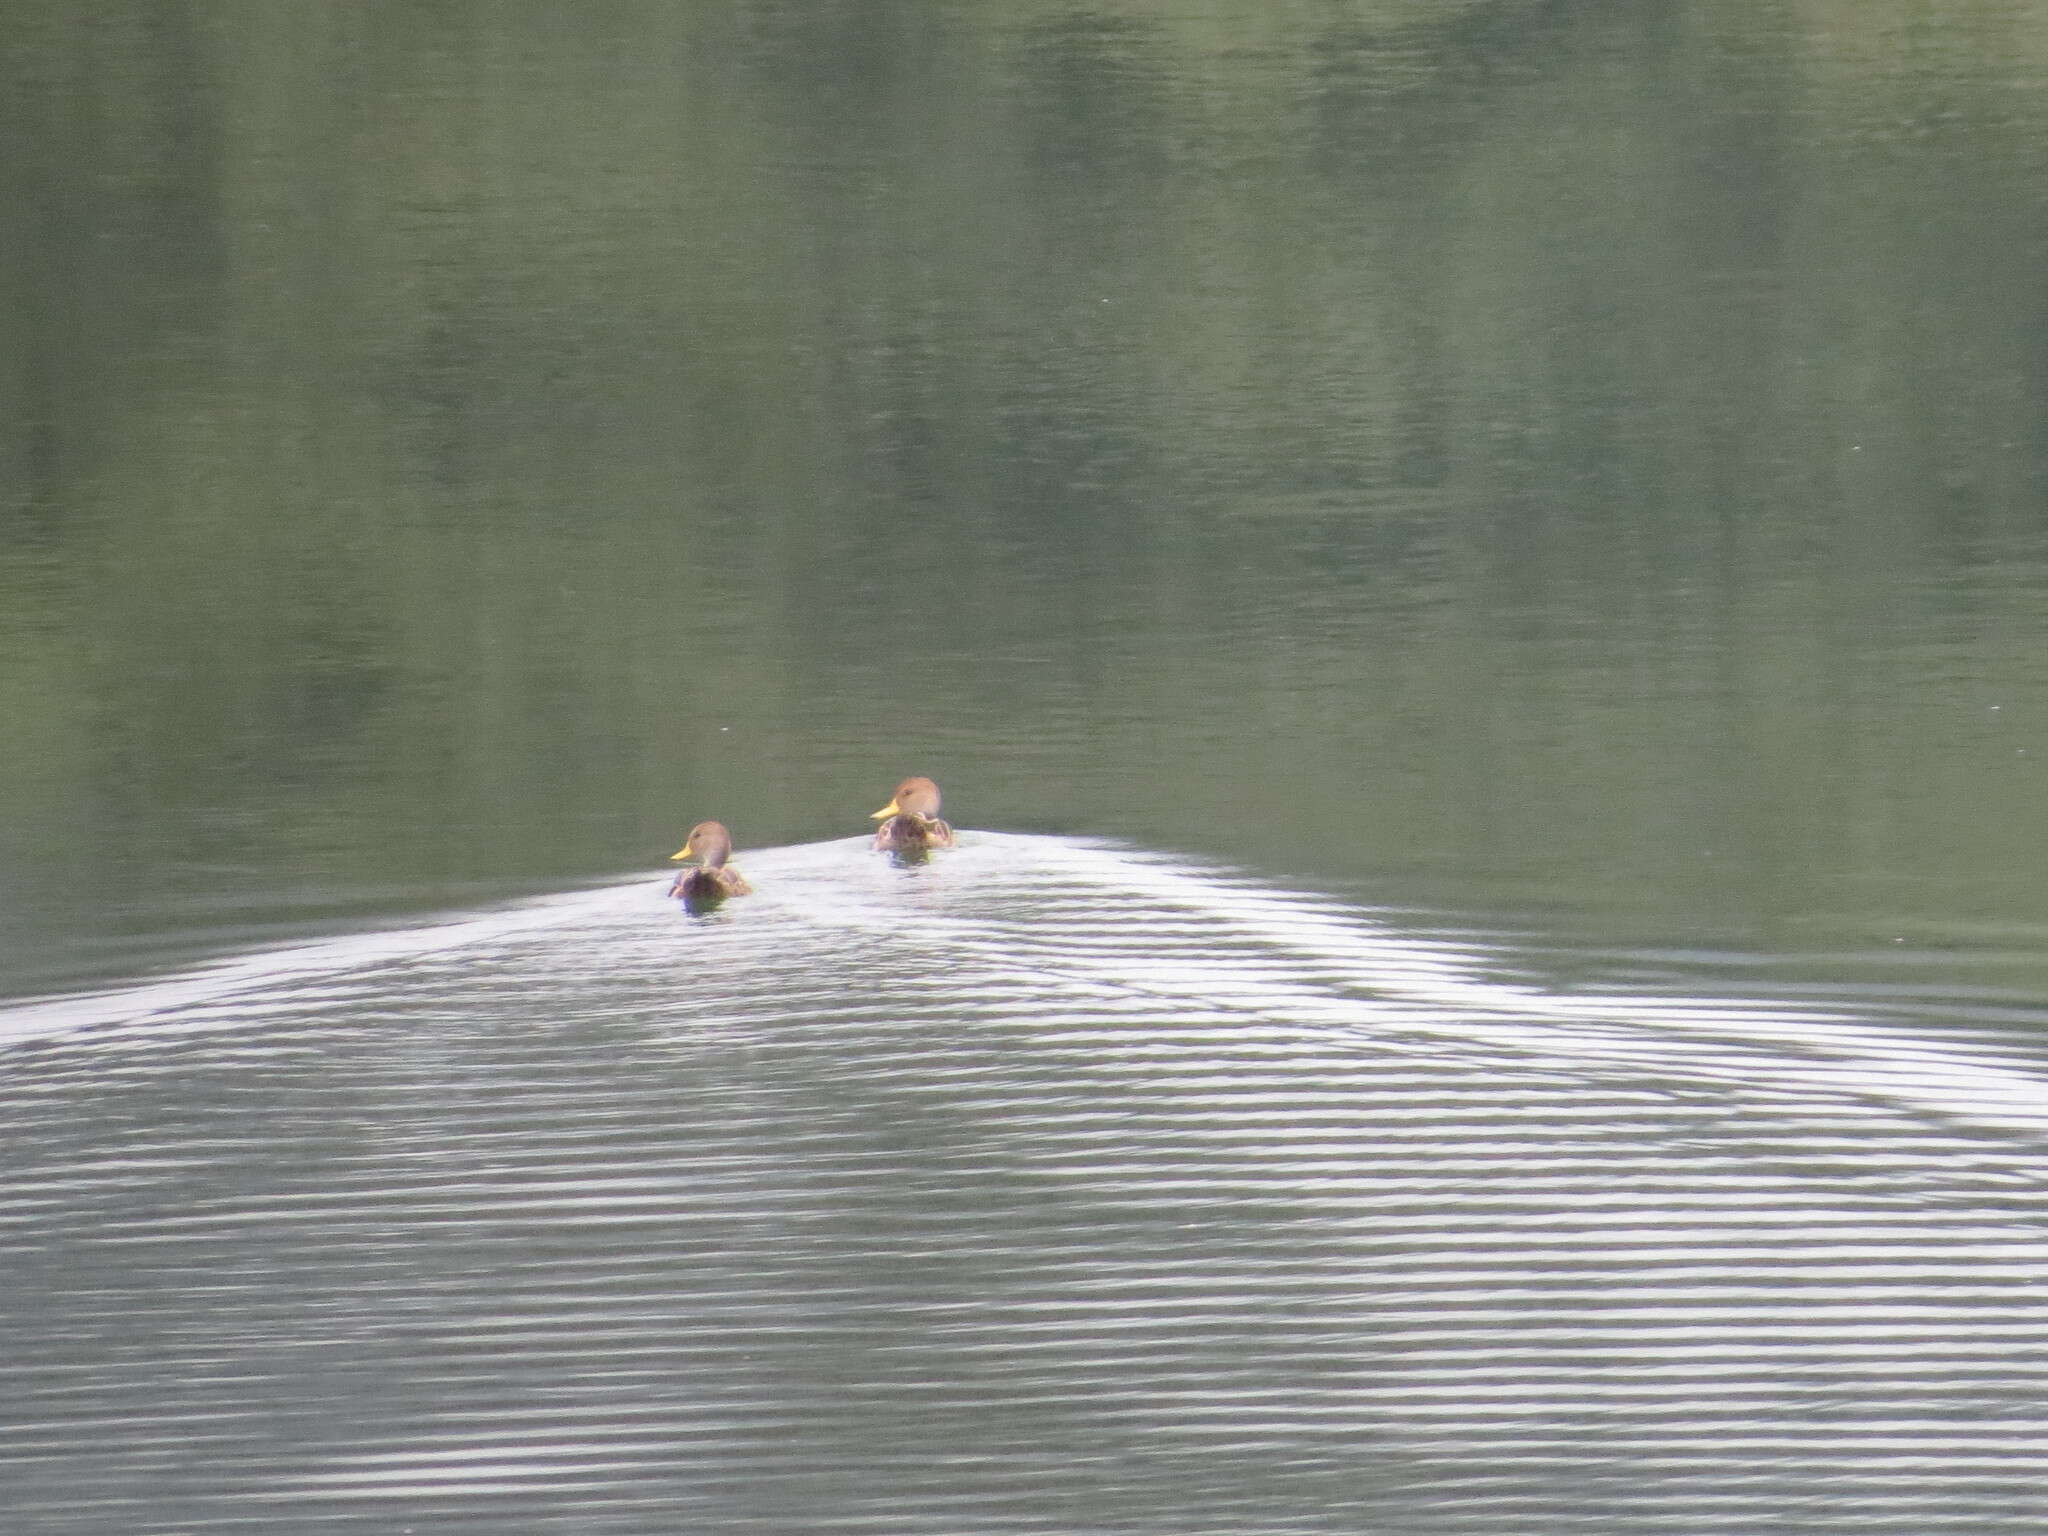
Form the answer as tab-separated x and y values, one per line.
1510	457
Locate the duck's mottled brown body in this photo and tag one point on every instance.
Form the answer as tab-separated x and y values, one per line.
713	879
910	821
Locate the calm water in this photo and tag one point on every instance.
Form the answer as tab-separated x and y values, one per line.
1478	574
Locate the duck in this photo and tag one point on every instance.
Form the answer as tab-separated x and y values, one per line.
713	879
910	821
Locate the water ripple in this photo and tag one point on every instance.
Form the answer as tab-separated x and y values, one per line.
1050	1186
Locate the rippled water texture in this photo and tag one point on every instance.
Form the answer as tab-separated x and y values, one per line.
1487	557
1049	1186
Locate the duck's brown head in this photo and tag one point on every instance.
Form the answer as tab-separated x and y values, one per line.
708	843
914	797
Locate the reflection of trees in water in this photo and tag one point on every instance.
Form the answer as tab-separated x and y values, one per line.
1440	449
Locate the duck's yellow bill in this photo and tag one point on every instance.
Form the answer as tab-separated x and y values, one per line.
680	853
887	810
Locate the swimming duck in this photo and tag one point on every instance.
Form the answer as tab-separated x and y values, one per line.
910	821
711	845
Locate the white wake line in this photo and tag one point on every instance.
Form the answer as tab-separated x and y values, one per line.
1819	1049
1415	986
1431	987
213	982
223	979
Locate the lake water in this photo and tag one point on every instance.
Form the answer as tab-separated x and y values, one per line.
1476	578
